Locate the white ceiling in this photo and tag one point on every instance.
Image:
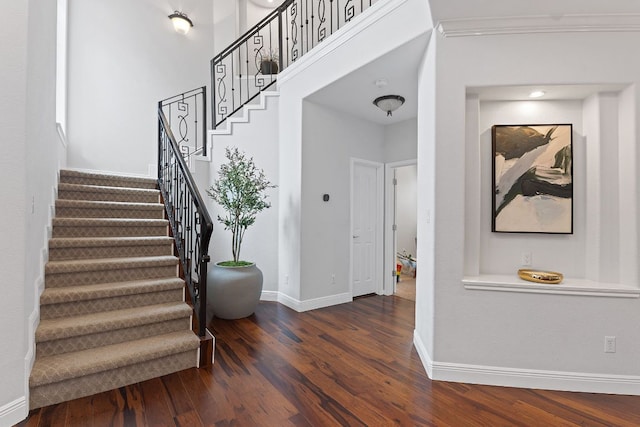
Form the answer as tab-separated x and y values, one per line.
354	93
466	9
552	92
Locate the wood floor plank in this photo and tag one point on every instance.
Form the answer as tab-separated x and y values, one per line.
352	364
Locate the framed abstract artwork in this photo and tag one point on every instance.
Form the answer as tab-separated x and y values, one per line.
532	178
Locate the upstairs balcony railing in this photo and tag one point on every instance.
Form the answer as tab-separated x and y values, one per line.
251	64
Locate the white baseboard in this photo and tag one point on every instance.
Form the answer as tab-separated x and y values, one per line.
315	303
425	358
14	412
269	296
537	379
526	378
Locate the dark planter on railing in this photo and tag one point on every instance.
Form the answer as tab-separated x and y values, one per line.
268	67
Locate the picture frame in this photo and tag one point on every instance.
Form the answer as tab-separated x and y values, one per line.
532	178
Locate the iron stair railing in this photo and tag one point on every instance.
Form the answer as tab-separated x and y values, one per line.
189	221
251	63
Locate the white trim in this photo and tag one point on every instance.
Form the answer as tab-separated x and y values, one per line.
539	24
315	303
426	360
526	378
244	117
62	136
536	379
62	31
269	296
569	286
367	18
14	412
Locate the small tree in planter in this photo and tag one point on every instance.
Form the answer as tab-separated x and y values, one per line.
241	191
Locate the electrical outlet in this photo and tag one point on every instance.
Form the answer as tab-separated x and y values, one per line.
609	344
527	259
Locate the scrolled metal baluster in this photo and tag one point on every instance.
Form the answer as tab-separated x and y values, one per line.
294	31
322	30
349	11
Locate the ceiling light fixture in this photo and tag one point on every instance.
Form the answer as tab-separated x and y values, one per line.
389	103
537	94
181	22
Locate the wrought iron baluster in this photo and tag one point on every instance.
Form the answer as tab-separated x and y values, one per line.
185	208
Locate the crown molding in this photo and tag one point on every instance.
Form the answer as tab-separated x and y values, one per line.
539	25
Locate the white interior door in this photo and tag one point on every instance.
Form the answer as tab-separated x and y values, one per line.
366	227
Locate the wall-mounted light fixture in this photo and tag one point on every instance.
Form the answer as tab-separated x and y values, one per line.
537	94
181	22
389	103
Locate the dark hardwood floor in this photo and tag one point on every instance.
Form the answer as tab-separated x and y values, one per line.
352	365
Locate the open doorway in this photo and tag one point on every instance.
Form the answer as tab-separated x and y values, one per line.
401	229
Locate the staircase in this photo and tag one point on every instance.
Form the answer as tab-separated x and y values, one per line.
112	312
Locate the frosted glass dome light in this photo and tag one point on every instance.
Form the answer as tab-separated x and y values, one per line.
389	103
181	22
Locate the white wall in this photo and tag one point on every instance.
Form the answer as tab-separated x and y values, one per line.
329	140
407	208
479	335
401	141
13	313
259	140
28	172
501	252
331	60
120	66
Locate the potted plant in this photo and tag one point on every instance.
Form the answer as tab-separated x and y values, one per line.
234	287
269	62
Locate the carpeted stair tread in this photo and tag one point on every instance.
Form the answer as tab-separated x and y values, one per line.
73	266
108	222
101	209
99	204
67	366
108	227
107	290
68	248
66	327
99	192
93	178
86	242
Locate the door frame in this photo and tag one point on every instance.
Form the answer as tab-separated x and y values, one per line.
379	231
390	238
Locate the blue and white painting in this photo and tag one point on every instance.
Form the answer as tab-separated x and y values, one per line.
532	179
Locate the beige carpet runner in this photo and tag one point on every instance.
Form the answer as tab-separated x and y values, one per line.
112	312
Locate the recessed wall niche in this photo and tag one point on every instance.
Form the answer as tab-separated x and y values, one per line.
602	251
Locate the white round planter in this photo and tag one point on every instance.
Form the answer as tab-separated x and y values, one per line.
233	292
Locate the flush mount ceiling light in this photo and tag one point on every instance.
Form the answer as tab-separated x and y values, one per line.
181	22
537	94
389	103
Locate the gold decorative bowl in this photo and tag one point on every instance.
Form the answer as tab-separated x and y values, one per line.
549	277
